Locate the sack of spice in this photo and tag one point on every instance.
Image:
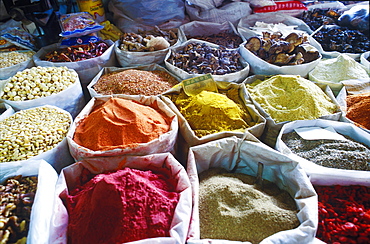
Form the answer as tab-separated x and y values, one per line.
31	185
207	116
86	69
14	61
196	57
344	208
110	201
116	125
365	59
233	215
335	72
356	106
38	86
34	134
325	146
283	98
144	80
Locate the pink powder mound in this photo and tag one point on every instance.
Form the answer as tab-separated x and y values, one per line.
123	206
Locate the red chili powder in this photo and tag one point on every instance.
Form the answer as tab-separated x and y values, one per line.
358	109
122	206
120	123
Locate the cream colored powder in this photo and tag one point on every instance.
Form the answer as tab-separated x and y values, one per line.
338	69
289	98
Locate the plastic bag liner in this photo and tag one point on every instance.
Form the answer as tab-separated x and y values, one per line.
7	111
364	59
231	77
43	201
108	70
246	22
272	128
58	157
343	128
234	153
71	99
129	58
211	11
165	142
70	175
188	133
8	72
86	69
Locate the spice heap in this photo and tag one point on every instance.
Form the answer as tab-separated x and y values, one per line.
341	154
8	59
135	82
338	69
77	52
16	198
358	109
231	207
120	123
291	97
31	132
209	112
122	206
38	82
344	214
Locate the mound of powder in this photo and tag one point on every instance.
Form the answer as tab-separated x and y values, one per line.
120	123
289	98
210	112
232	207
358	109
122	206
338	69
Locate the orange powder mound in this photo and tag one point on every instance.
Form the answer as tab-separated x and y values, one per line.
120	123
358	109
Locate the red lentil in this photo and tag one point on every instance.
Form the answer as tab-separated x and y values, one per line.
344	214
135	82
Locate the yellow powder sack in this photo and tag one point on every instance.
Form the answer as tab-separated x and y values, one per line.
289	98
210	112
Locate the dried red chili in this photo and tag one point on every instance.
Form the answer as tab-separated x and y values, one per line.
344	214
77	52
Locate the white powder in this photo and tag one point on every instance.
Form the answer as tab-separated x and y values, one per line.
338	69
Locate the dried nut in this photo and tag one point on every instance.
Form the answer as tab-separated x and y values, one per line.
30	132
38	82
8	59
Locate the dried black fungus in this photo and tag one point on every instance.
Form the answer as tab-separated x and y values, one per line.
342	39
199	58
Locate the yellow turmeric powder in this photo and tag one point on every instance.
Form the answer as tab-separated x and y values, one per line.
210	112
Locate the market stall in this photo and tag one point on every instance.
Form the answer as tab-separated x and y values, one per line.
184	121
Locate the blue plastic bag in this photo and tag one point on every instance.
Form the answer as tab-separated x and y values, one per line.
357	17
